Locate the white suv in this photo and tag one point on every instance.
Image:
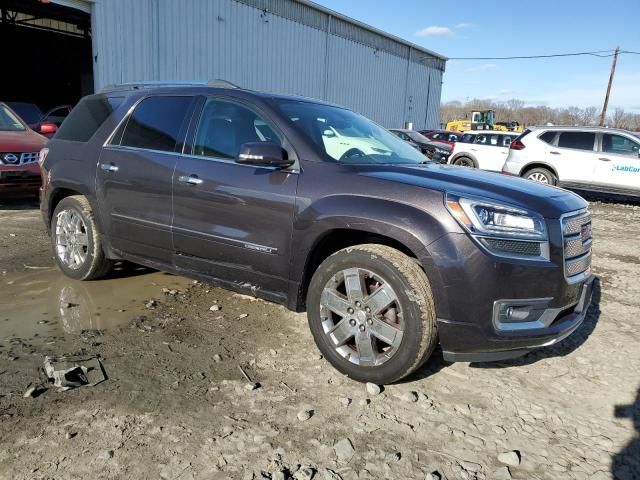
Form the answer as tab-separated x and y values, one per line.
484	149
584	158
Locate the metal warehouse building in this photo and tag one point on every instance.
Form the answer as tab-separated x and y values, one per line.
72	47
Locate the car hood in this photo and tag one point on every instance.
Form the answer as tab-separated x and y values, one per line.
23	141
550	202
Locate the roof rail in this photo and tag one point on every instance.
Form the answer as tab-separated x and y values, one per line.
218	83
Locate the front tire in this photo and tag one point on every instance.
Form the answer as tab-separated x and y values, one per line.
77	243
464	162
371	313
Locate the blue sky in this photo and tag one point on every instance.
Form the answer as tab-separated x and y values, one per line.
498	28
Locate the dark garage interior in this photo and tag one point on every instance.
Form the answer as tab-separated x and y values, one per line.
46	53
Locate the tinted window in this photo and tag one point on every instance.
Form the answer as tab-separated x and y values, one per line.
8	121
85	119
578	140
548	137
506	140
29	112
224	126
619	145
467	138
155	123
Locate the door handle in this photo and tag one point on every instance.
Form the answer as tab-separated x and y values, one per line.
109	167
604	159
190	179
553	152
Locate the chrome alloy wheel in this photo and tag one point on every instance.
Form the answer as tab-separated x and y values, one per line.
72	242
538	177
362	317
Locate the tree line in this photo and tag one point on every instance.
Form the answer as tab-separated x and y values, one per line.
519	111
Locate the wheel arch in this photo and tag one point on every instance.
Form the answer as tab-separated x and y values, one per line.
329	235
538	164
465	154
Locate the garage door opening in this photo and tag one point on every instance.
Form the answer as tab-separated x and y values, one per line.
46	55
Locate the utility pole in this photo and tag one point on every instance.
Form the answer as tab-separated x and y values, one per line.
606	98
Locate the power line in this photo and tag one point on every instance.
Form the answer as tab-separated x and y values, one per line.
599	53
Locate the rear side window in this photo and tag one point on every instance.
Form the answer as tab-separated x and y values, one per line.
85	119
548	137
155	123
467	138
577	140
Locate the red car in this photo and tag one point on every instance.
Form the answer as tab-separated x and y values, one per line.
19	151
443	136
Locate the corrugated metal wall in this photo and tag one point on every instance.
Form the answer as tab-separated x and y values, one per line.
280	46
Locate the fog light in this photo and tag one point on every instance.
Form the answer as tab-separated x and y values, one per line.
525	314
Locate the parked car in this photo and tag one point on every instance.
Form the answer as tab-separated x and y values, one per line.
19	150
584	158
448	137
44	123
384	251
434	151
483	149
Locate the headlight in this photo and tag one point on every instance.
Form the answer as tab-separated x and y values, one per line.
503	229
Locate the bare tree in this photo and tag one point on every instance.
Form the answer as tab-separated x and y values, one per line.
517	110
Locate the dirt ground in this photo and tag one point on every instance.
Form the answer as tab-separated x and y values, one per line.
177	404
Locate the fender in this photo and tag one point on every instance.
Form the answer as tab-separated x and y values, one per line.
413	228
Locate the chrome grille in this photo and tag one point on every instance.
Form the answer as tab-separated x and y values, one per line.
577	241
29	157
16	159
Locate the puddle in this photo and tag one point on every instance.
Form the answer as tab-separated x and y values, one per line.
45	303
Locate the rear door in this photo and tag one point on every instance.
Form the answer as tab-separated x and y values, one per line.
488	152
618	165
574	157
231	221
135	173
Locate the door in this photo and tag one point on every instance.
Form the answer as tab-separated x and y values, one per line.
233	222
574	157
488	152
135	174
619	164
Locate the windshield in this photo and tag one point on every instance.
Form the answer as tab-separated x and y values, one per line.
9	121
346	137
29	112
417	137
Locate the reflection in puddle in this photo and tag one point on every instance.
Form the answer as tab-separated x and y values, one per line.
47	303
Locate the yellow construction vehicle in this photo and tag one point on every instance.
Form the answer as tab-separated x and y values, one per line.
483	120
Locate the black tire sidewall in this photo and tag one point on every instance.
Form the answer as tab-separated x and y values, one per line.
402	361
83	272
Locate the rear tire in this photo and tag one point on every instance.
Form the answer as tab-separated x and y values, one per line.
387	328
464	162
77	243
541	175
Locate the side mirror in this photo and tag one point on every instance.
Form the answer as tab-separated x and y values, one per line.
263	154
47	128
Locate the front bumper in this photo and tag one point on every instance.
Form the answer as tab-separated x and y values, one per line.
520	342
18	180
470	284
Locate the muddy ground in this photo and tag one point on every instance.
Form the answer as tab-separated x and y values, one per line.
176	404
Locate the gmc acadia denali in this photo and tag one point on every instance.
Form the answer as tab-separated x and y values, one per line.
388	253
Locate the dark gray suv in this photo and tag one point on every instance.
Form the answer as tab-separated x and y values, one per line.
313	206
